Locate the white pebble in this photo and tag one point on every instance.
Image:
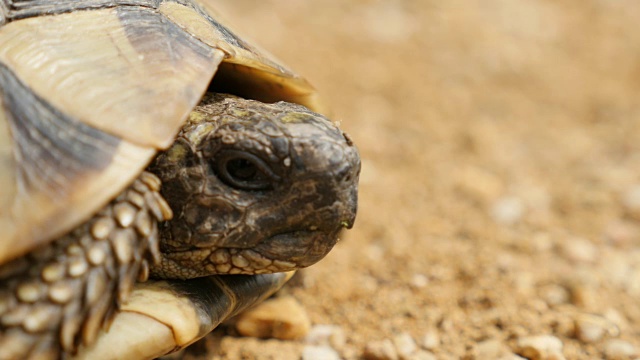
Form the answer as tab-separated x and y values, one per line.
491	349
319	353
631	198
431	339
320	334
405	345
588	332
555	294
380	350
539	347
419	281
507	210
579	250
617	320
332	335
591	328
617	349
368	283
375	252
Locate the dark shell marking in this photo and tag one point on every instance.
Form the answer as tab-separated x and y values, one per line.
51	148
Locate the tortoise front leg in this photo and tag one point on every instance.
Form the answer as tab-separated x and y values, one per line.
60	295
164	316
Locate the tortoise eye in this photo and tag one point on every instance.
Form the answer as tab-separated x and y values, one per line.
243	171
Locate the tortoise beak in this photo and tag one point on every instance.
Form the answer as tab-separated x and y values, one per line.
351	199
325	204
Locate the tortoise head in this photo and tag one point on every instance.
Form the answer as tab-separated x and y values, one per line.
255	188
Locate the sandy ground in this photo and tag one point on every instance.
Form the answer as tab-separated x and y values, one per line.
500	189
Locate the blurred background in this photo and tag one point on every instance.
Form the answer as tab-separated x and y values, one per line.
500	190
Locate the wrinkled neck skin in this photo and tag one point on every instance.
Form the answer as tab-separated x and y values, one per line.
255	188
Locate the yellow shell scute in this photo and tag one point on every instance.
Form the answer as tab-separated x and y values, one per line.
198	26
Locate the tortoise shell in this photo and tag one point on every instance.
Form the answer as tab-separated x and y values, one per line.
90	90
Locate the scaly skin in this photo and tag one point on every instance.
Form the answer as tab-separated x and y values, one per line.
250	188
255	188
60	295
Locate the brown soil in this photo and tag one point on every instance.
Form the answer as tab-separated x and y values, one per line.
500	189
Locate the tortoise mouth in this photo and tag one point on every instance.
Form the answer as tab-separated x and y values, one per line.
302	247
280	252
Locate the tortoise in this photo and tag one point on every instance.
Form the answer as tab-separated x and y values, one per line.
123	158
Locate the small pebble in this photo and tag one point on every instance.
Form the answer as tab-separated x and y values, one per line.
538	304
491	349
311	352
584	297
319	334
579	250
542	241
375	252
479	184
281	318
538	347
592	328
588	332
507	210
617	320
555	294
631	201
431	339
620	234
368	283
332	335
525	285
555	355
617	349
419	281
405	345
422	355
380	350
564	326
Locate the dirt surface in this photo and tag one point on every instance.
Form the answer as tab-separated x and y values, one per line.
500	188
